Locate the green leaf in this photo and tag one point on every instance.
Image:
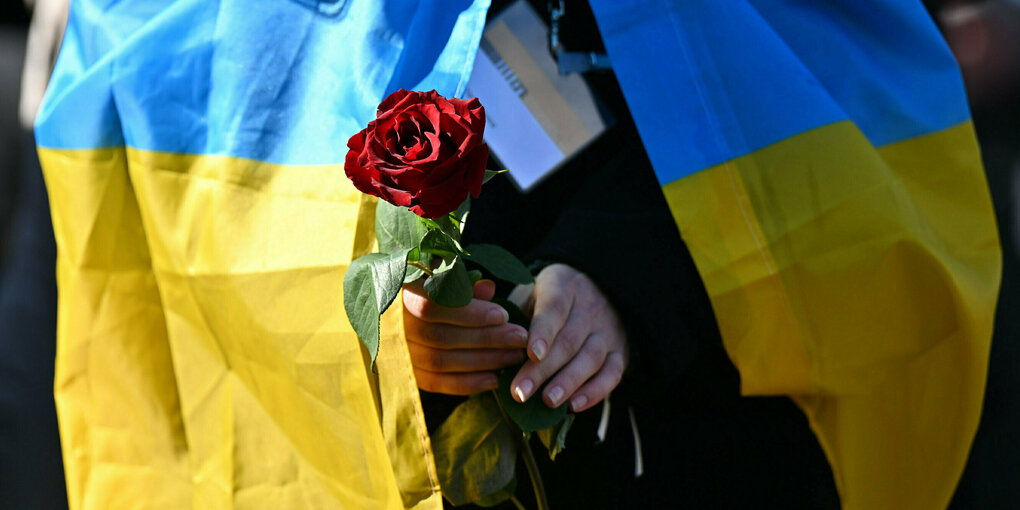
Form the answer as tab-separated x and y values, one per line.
475	450
459	216
445	264
489	174
412	273
397	228
429	223
450	285
498	497
371	284
450	227
474	275
438	243
501	263
555	438
532	415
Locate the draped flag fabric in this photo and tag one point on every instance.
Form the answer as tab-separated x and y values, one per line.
820	163
193	154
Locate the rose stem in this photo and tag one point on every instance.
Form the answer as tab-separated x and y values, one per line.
517	503
419	266
536	478
529	458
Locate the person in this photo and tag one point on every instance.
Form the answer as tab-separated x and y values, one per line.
193	158
679	384
842	298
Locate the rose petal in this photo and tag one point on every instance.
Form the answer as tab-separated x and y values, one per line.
422	151
476	162
447	106
472	111
469	144
443	194
438	200
364	179
393	195
392	100
440	170
407	178
377	154
456	128
384	126
432	116
357	142
435	149
431	97
418	151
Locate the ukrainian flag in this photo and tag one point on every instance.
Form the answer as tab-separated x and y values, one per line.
821	165
193	154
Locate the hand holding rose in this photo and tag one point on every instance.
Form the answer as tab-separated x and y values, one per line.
457	350
575	338
424	154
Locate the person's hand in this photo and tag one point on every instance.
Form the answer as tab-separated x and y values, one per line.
457	351
575	337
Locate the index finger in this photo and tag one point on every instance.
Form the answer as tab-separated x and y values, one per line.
552	308
477	313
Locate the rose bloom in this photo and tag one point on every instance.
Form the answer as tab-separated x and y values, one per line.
422	151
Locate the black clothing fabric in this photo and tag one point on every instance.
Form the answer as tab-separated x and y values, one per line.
704	446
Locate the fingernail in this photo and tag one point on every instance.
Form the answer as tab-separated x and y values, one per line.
497	316
513	357
491	383
539	349
555	394
517	338
523	390
578	402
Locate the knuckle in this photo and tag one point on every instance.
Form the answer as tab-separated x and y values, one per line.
576	281
466	385
436	361
554	308
414	303
561	272
426	307
571	340
561	307
432	333
593	358
614	368
594	307
477	313
425	380
570	380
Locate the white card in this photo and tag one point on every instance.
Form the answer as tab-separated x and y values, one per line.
536	119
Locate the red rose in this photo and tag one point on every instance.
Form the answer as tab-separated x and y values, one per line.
422	151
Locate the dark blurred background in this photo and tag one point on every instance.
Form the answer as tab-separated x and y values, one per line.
31	473
984	35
